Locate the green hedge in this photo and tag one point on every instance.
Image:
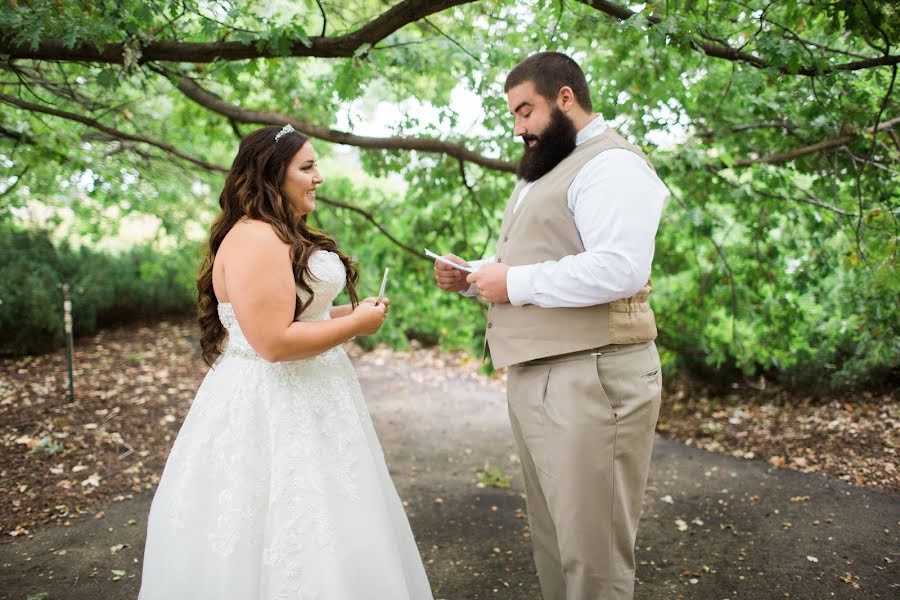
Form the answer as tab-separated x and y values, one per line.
836	331
105	288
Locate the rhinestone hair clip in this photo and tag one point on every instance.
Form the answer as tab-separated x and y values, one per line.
284	130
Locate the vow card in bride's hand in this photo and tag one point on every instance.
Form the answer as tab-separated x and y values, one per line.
383	285
448	262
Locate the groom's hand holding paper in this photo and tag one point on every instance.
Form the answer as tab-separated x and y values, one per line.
490	281
460	266
450	278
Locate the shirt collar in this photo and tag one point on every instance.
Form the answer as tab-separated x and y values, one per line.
591	130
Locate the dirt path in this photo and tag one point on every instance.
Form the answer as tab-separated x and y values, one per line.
714	527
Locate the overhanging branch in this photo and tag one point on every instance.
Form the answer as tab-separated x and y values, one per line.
783	157
217	169
108	130
340	46
192	90
371	219
238	114
717	50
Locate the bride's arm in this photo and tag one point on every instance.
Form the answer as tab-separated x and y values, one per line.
342	310
260	285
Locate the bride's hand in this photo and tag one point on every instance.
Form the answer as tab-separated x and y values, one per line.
368	316
384	301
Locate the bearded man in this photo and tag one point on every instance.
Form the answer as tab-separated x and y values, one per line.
568	290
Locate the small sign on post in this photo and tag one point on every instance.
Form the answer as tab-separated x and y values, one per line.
70	341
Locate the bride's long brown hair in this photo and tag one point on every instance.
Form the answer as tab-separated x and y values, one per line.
253	189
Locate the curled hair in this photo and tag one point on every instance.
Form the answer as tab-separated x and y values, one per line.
550	72
253	189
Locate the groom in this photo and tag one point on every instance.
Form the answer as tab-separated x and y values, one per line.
569	316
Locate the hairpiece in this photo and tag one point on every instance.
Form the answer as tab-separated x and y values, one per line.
284	130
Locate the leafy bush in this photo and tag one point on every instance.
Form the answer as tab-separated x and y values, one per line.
105	288
826	323
790	303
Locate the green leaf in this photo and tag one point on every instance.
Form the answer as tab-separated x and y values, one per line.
109	78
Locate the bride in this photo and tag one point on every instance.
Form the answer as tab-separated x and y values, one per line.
276	486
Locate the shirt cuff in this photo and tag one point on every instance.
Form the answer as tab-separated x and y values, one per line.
518	285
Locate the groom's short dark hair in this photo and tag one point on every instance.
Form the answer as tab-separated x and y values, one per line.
550	71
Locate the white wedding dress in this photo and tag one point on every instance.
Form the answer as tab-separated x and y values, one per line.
276	487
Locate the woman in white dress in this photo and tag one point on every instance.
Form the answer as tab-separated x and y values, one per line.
276	486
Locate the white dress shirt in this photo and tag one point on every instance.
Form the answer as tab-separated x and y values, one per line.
616	201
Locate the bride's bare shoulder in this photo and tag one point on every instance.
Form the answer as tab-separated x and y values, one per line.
250	233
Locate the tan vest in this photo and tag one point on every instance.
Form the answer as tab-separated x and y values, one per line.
543	229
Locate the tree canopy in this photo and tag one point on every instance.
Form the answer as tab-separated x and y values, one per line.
773	123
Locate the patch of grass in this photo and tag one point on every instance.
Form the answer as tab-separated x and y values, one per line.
46	445
492	476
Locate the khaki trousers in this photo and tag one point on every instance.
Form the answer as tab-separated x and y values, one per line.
584	426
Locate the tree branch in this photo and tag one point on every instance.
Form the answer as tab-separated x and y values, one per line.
810	199
718	50
216	169
46	151
452	41
324	18
12	135
371	219
783	157
10	188
192	90
108	130
345	45
473	197
237	114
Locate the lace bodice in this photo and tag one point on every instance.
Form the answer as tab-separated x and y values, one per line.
327	281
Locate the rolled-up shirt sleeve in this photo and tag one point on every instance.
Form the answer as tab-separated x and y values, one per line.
616	200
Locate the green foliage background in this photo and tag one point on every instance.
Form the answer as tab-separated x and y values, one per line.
785	269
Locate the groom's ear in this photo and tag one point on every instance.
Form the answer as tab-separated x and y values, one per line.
565	99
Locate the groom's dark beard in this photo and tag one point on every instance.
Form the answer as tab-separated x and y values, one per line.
556	143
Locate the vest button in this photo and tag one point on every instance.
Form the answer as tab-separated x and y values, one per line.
506	238
490	325
492	305
498	259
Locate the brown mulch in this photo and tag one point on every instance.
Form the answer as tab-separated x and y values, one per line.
854	438
62	459
133	386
